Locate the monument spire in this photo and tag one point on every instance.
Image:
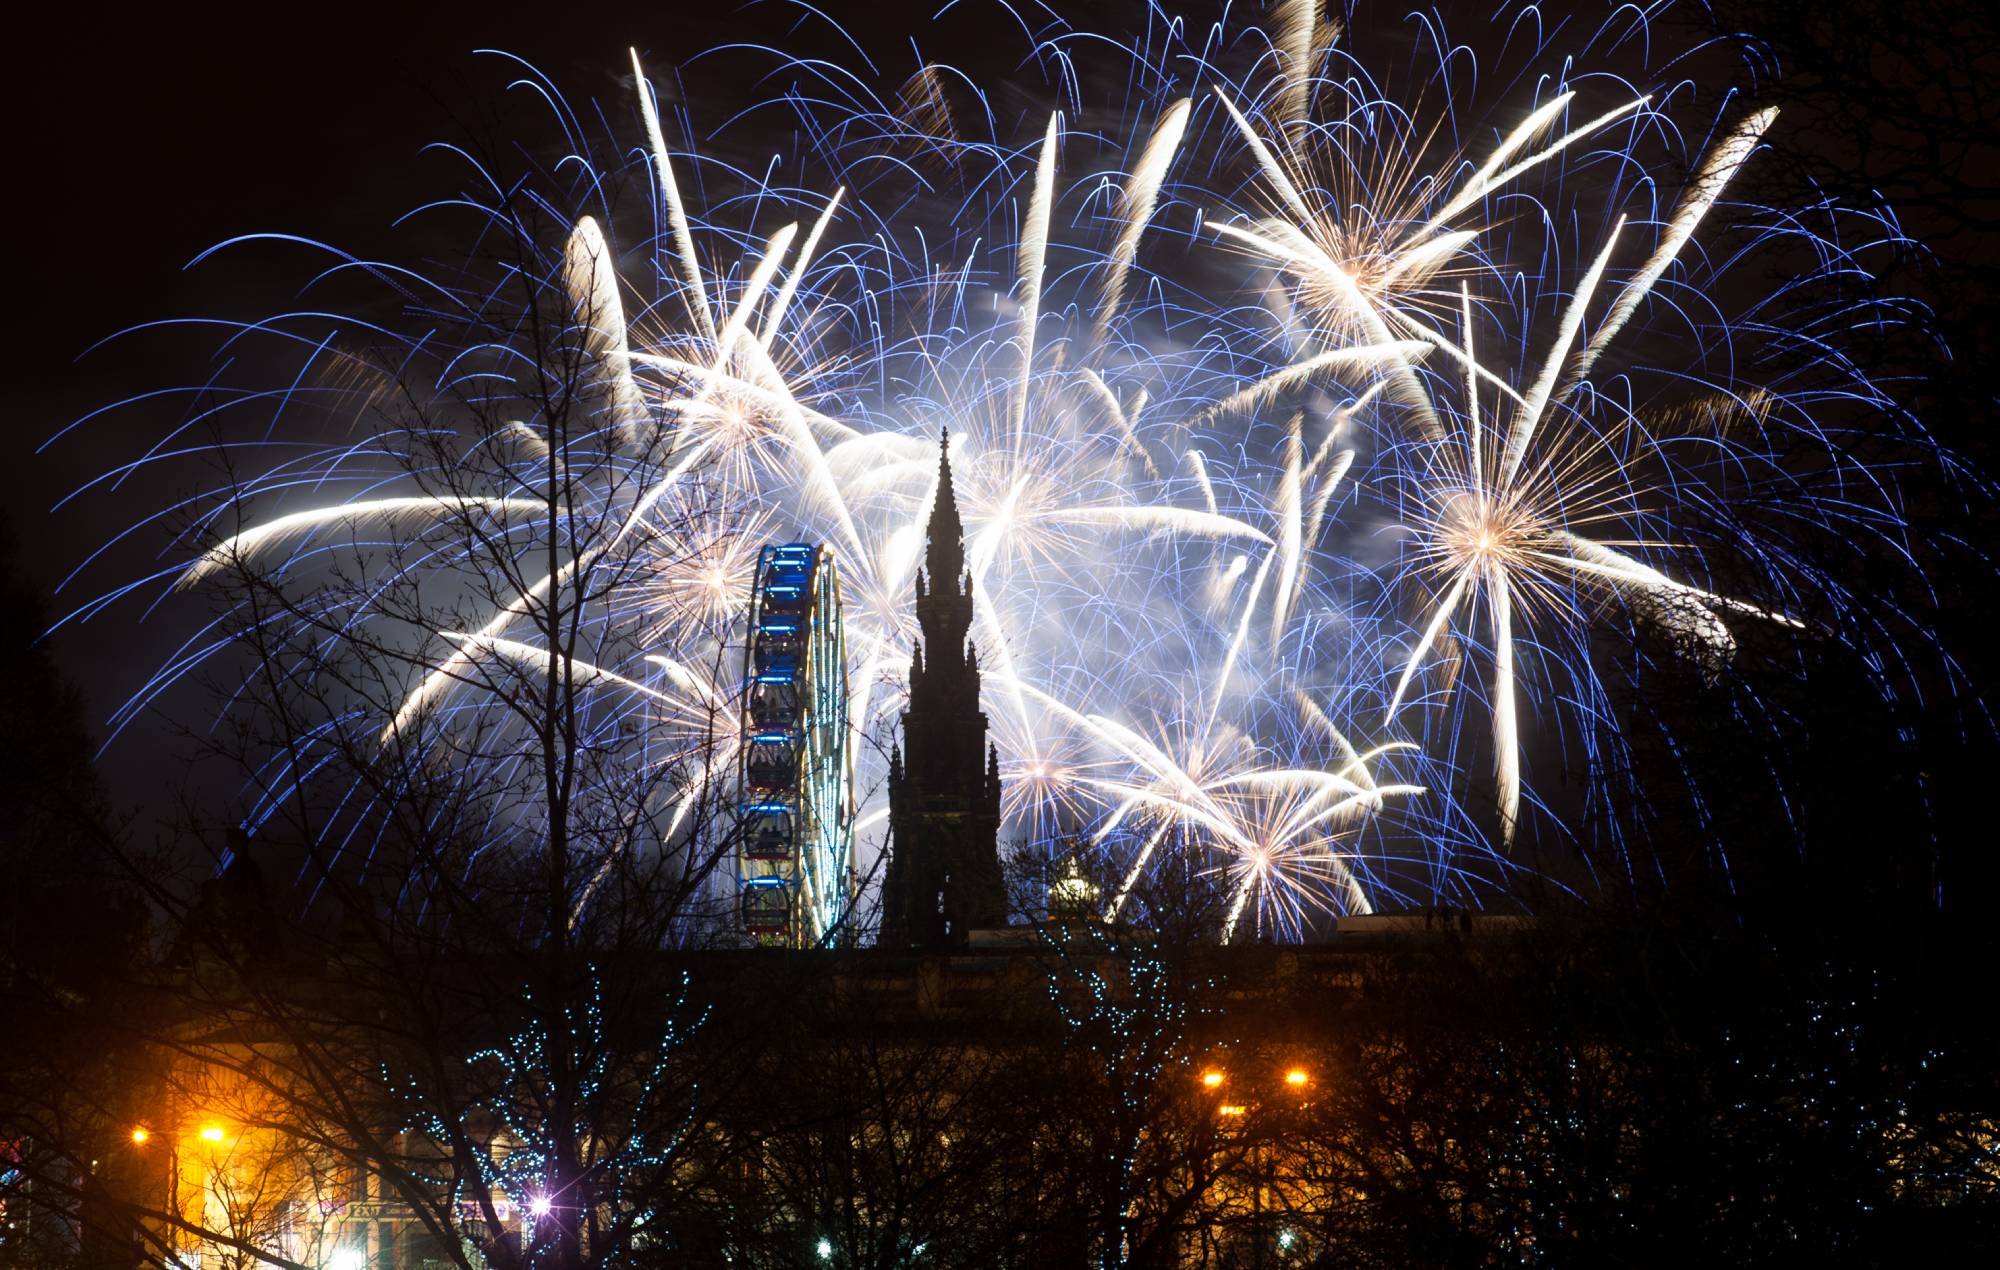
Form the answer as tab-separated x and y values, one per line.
945	555
943	878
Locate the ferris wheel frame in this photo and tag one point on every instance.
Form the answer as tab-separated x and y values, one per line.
795	853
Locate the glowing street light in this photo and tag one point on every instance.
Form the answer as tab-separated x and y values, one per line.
349	1258
825	1250
538	1207
1211	1079
1296	1077
140	1136
211	1133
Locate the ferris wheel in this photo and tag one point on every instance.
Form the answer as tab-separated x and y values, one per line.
795	855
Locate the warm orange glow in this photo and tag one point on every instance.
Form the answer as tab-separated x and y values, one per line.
1232	1109
139	1136
1211	1079
1296	1077
212	1133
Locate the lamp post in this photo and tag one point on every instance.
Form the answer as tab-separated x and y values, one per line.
211	1133
142	1137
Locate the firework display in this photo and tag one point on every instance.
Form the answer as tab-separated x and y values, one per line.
1318	393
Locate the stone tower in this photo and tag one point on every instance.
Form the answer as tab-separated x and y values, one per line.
943	877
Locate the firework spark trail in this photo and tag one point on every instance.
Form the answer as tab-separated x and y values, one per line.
1398	354
1291	516
775	317
1302	35
1117	414
1717	171
1033	261
1141	196
670	193
1506	727
1489	177
1530	413
589	276
238	550
737	327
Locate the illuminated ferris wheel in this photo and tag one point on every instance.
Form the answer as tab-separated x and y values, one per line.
795	856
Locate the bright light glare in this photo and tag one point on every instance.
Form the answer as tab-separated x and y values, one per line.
347	1259
1295	1077
213	1133
826	1250
1211	1079
140	1135
538	1207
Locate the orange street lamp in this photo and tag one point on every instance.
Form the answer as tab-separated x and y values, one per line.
140	1135
1296	1078
1211	1079
212	1133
